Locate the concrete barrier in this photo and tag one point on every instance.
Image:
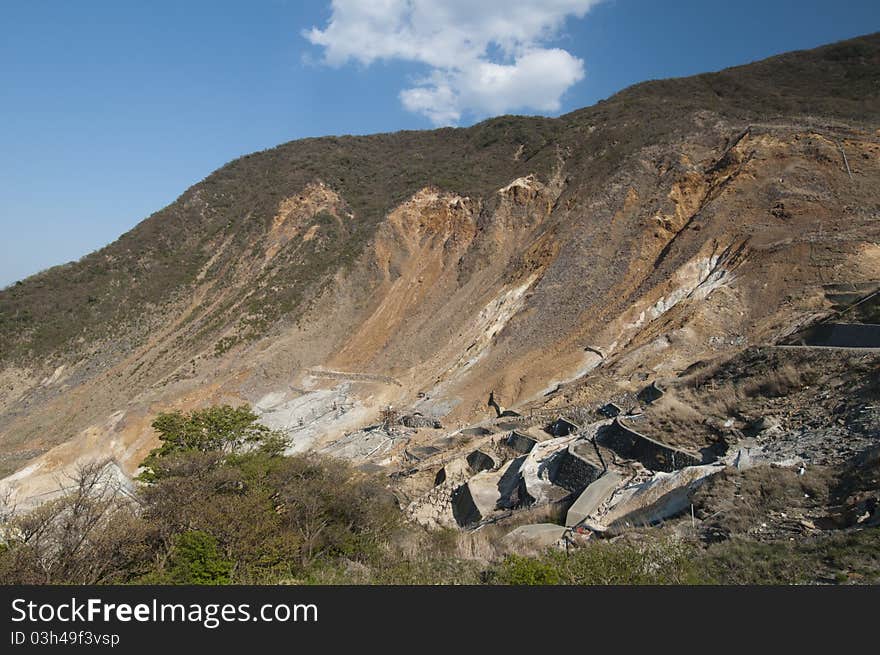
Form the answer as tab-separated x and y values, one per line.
562	427
652	454
464	506
845	295
538	470
610	410
457	470
664	496
592	498
475	432
510	486
418	420
418	453
510	425
356	377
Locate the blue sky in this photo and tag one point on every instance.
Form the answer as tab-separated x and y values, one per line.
110	110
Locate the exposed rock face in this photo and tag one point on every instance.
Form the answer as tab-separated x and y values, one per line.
327	279
296	215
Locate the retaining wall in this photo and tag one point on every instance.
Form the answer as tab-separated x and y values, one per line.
579	466
652	454
841	335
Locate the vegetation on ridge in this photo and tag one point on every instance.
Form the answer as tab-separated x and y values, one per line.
112	293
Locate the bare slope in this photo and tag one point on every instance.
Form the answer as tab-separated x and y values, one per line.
326	278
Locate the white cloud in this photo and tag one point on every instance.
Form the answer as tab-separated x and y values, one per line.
484	57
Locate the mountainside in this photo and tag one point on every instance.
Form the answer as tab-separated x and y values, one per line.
555	263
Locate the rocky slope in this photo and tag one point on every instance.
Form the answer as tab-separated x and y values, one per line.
559	263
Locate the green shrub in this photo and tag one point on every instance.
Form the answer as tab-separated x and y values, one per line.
196	559
663	561
518	570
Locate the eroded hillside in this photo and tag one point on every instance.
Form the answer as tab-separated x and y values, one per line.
556	263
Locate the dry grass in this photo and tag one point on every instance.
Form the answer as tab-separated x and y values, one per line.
739	501
689	414
782	381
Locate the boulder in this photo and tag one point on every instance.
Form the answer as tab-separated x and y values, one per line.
539	467
457	470
768	424
540	535
479	497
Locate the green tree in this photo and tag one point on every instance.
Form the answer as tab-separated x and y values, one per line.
219	431
196	559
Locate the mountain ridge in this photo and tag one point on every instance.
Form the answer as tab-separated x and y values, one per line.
852	51
458	262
